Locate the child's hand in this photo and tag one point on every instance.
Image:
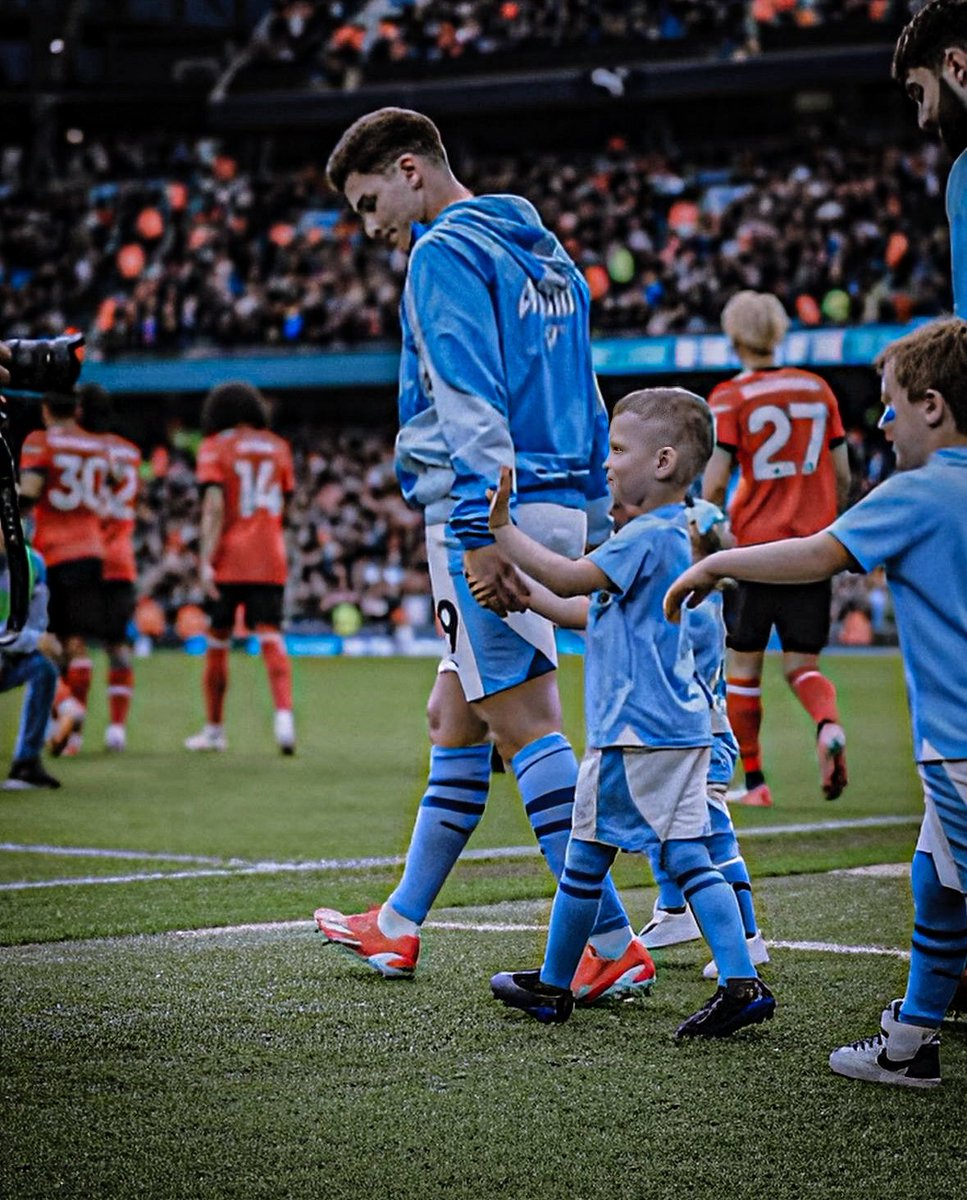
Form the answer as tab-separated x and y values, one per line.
499	498
691	588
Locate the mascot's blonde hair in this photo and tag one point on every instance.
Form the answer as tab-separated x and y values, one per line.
756	319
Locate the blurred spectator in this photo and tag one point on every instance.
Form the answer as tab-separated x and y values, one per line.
357	551
168	245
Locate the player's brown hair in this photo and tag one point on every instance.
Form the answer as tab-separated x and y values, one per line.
933	357
231	404
373	143
684	421
923	40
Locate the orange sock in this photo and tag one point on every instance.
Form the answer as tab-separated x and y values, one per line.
215	679
120	685
744	700
815	693
78	678
278	668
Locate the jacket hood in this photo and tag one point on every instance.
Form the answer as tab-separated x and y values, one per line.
514	224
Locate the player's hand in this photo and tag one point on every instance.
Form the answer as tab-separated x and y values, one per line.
690	588
499	498
206	574
494	582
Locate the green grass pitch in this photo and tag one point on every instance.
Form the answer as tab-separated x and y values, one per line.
138	1058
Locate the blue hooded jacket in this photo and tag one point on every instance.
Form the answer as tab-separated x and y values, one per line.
496	370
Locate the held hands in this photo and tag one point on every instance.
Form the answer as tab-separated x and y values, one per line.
494	582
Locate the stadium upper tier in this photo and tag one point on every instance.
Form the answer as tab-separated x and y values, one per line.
171	246
339	44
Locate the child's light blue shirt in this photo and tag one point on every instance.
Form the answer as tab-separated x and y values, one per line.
640	684
915	524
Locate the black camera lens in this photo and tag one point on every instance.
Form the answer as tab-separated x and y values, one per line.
46	365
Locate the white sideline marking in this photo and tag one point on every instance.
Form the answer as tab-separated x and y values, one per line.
101	852
466	926
835	948
879	871
220	867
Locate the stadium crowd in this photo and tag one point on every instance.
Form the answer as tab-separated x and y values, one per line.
160	245
356	551
348	44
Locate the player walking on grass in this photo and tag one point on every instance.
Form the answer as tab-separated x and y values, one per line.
496	368
915	524
63	468
121	484
246	476
782	427
644	773
120	577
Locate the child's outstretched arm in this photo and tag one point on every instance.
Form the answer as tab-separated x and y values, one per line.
566	612
796	560
564	576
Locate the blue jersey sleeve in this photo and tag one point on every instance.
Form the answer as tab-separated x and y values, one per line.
626	557
957	216
453	310
891	519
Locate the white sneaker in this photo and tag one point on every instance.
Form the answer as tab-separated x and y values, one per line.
285	731
906	1055
669	929
758	952
115	738
212	737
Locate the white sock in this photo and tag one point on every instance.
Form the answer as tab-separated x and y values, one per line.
613	943
392	925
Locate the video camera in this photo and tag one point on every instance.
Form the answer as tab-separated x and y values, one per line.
50	365
45	365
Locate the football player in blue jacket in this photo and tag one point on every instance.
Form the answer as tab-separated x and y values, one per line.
495	370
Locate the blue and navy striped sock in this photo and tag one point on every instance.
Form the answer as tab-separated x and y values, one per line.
576	903
449	813
669	893
546	772
727	858
939	947
713	904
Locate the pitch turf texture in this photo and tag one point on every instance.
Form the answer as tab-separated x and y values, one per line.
141	1062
